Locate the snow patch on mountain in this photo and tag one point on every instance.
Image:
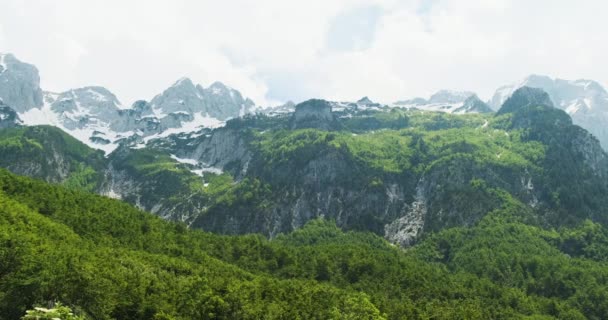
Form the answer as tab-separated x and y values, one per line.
448	101
47	116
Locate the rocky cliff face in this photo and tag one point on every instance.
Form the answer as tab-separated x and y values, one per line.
314	114
218	101
331	185
8	117
19	84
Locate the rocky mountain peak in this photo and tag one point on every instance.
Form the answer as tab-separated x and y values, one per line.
449	96
586	101
365	101
19	84
313	113
590	85
184	83
474	105
525	97
219	88
91	100
217	101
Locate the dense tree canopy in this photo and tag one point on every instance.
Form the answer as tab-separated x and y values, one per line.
106	259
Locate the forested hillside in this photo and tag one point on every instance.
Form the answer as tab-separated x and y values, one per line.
107	259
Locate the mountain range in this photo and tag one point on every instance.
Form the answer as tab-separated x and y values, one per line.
198	139
200	204
95	116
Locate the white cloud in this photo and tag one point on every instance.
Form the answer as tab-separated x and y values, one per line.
278	49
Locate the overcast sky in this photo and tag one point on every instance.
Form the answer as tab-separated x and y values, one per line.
276	50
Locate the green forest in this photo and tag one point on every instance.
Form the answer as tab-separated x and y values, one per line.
105	259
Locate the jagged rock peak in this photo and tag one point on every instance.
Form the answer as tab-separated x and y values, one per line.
20	83
86	101
449	96
218	100
524	97
474	105
287	107
183	81
365	101
94	93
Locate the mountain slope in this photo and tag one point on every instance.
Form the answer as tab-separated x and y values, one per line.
116	262
419	174
109	260
47	153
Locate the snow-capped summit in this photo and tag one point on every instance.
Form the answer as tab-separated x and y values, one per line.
448	101
95	116
287	107
586	101
86	113
449	96
218	101
19	83
77	108
182	96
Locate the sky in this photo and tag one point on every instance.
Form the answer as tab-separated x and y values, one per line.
278	50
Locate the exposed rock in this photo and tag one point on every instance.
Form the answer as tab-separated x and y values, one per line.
365	101
287	107
314	113
19	84
85	107
221	148
449	97
474	105
8	117
449	102
217	101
